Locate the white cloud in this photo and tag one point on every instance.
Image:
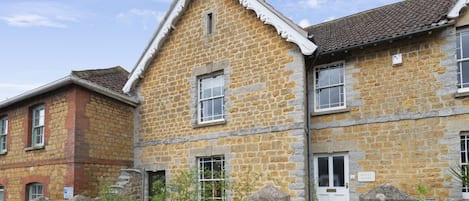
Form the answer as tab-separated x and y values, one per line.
38	14
304	23
31	20
144	16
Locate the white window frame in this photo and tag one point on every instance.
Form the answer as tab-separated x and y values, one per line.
460	52
316	95
35	190
464	156
201	176
200	99
3	134
37	126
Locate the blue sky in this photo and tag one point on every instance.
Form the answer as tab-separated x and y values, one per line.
42	41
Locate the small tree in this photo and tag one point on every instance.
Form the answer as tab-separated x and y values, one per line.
461	173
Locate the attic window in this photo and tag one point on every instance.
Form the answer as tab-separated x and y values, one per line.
210	23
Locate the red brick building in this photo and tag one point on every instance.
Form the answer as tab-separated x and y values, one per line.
65	135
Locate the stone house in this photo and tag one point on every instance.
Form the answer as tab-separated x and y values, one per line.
373	98
388	100
65	135
221	88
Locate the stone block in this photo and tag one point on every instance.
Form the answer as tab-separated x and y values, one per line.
269	193
386	192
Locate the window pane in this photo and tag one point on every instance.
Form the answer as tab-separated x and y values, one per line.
465	74
323	171
335	96
463	144
3	144
217	91
458	46
336	76
465	45
41	117
207	93
323	98
218	107
36	118
207	112
339	177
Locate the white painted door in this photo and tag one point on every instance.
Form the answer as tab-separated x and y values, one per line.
331	174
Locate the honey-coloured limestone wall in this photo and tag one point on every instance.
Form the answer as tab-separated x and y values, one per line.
403	122
264	85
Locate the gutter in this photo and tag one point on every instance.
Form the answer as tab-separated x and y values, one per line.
438	26
71	79
308	133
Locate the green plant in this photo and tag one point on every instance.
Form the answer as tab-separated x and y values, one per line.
422	190
184	186
461	173
106	194
160	191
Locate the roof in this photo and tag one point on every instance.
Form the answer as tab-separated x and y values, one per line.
111	78
106	82
387	22
266	13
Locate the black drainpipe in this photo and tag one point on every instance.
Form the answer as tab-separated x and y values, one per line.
308	125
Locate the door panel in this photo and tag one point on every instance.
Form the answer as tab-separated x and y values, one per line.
331	177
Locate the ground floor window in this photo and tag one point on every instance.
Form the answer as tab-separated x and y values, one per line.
2	193
464	154
35	190
211	171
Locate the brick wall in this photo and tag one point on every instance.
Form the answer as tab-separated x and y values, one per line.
78	122
264	98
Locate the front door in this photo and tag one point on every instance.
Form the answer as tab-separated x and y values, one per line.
331	174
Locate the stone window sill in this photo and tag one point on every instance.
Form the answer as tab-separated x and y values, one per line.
344	110
202	125
3	153
461	94
34	148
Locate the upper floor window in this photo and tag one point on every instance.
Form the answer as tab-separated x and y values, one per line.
462	53
37	133
211	99
329	87
35	190
211	178
3	134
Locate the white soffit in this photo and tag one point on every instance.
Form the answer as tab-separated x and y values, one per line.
454	12
287	30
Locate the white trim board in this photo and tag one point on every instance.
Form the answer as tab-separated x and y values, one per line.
456	10
266	13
